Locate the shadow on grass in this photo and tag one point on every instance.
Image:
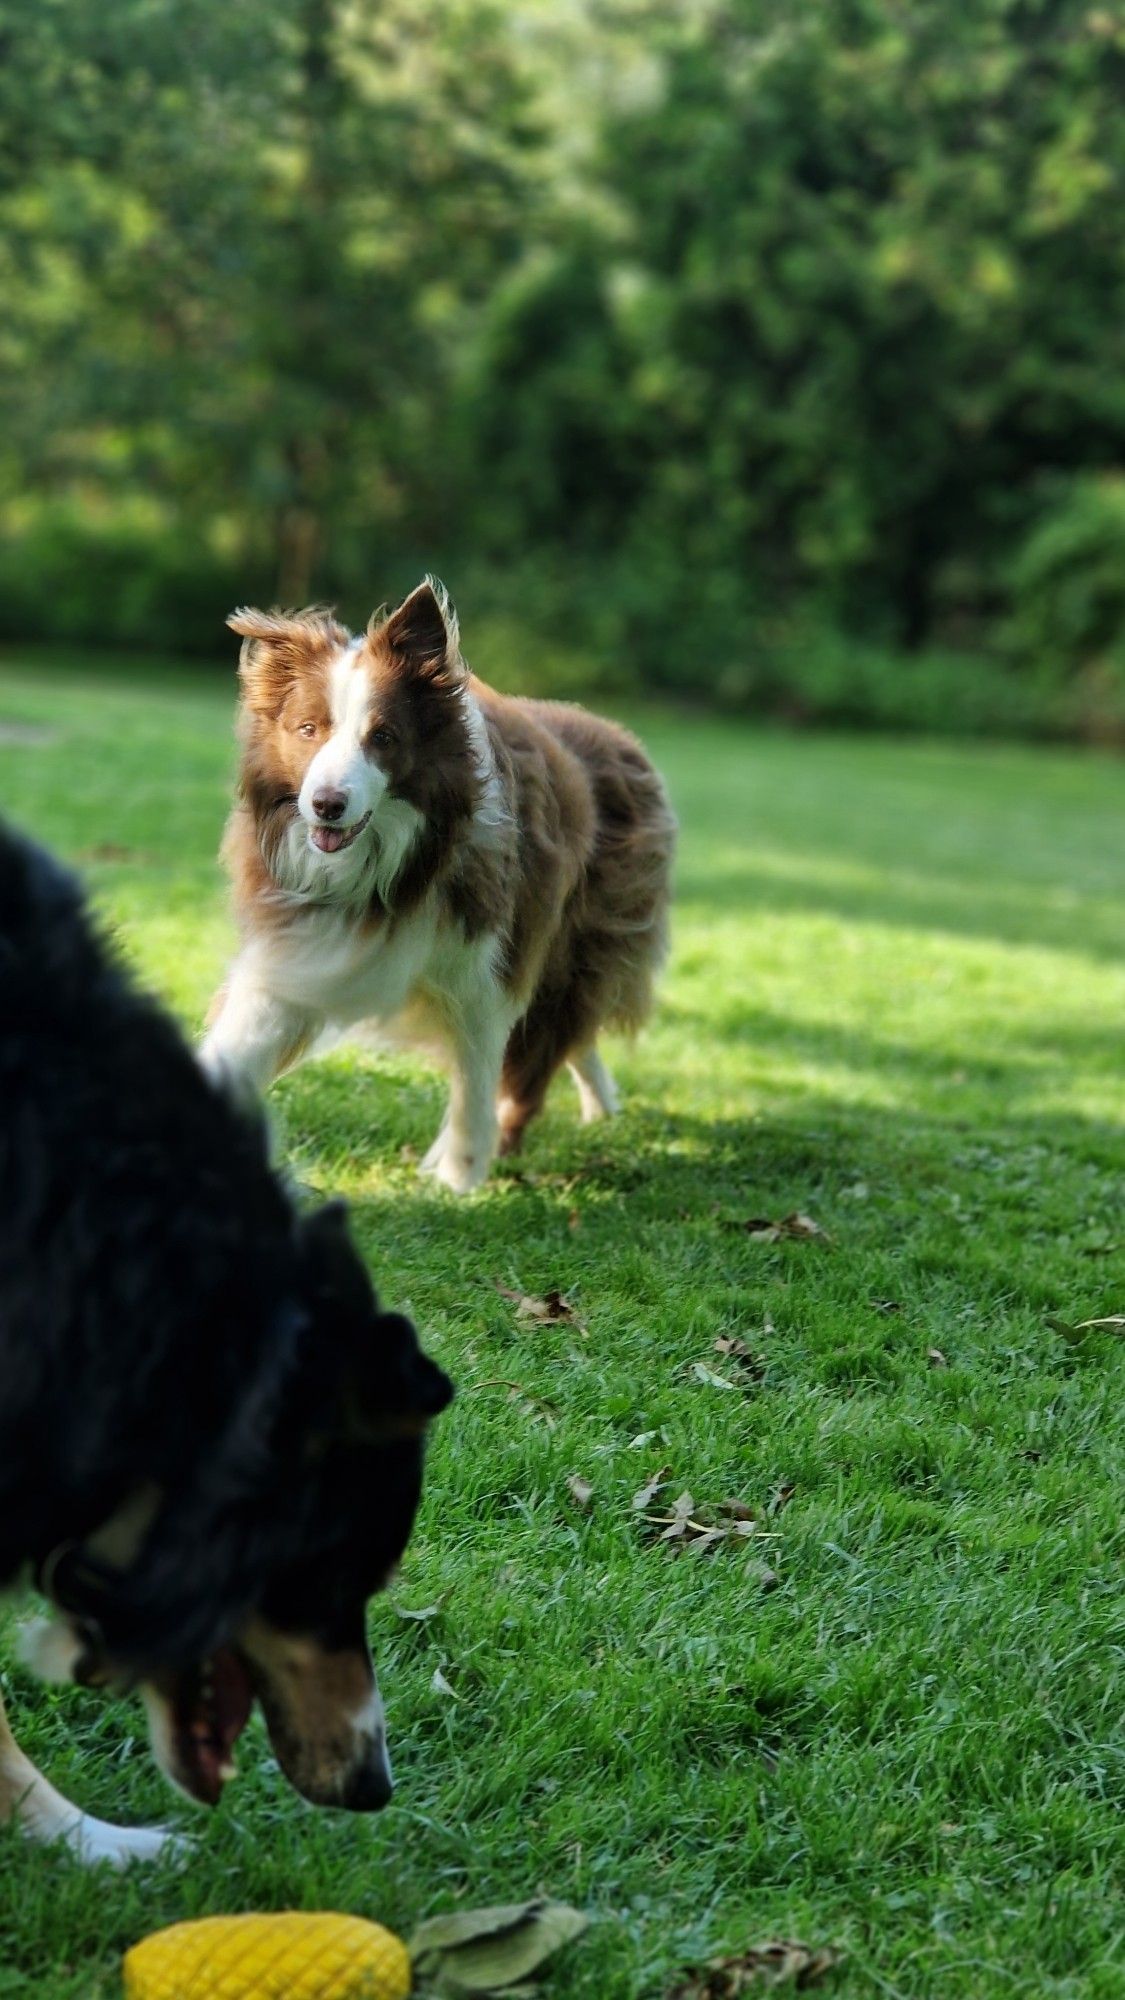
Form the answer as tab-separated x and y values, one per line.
994	909
1068	1045
985	1212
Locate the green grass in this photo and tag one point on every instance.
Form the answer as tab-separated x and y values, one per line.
896	1002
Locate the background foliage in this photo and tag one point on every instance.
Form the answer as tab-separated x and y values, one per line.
771	353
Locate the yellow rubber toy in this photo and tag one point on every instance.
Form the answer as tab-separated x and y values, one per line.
297	1955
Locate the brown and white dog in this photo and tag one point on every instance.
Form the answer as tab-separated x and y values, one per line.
480	877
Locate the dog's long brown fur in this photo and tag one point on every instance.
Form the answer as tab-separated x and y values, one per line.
519	850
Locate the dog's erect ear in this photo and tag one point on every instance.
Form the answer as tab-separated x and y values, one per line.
390	1386
276	645
400	1388
424	631
331	1256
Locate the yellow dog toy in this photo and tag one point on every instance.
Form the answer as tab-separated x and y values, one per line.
292	1956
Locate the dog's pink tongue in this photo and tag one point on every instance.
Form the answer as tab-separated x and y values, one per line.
329	839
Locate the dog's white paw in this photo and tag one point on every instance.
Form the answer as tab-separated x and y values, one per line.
431	1160
460	1172
94	1843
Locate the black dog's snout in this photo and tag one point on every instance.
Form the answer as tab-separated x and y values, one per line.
369	1789
330	803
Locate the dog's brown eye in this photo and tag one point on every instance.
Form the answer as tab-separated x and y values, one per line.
306	729
381	735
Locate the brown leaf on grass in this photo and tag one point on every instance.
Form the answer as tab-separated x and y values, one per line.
535	1408
796	1228
738	1350
780	1497
801	1227
683	1529
713	1379
676	1524
768	1578
936	1358
491	1951
644	1438
775	1962
1076	1330
427	1611
646	1494
580	1490
553	1309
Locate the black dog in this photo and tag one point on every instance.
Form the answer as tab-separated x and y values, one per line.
211	1438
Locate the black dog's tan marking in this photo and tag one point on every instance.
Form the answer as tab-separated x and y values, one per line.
211	1438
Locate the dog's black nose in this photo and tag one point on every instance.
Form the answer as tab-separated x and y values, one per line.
370	1788
330	804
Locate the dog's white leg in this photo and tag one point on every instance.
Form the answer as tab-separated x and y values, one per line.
44	1815
432	1158
254	1035
597	1092
465	1148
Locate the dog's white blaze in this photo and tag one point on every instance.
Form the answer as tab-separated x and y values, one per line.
342	764
369	1727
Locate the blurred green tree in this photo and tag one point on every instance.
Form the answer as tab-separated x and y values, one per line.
705	326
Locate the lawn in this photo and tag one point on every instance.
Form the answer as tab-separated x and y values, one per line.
891	1721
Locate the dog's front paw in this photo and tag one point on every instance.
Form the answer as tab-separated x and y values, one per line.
431	1161
95	1844
460	1172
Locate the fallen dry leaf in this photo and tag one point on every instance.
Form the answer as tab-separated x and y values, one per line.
580	1490
535	1408
768	1578
427	1611
1076	1330
491	1951
646	1494
712	1378
776	1962
780	1497
553	1309
797	1227
936	1358
885	1305
682	1528
736	1349
800	1226
439	1685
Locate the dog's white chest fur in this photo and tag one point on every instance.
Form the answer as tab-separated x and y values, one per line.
342	971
